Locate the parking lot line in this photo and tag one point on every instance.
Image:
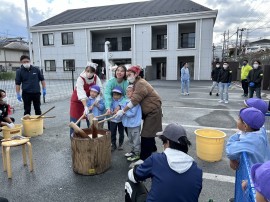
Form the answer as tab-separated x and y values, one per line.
196	126
202	108
220	178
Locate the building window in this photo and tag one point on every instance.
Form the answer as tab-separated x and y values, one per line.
187	40
69	65
113	43
67	38
162	41
47	39
50	65
126	43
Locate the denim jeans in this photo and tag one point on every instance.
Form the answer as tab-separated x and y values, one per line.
185	86
215	84
223	88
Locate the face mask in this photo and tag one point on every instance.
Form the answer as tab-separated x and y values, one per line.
4	99
89	75
225	66
255	66
217	66
244	63
131	79
26	65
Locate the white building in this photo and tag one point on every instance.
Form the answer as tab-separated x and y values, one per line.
160	35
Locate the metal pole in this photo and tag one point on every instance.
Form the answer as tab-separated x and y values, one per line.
223	48
28	30
72	75
106	48
235	51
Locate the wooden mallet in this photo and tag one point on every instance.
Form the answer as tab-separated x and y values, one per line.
77	129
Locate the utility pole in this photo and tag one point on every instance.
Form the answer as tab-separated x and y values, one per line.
235	51
227	48
223	48
241	35
28	31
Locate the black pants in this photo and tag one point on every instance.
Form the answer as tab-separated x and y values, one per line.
245	86
148	146
139	192
28	98
113	129
3	199
257	90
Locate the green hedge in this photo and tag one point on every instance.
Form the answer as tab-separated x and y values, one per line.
7	75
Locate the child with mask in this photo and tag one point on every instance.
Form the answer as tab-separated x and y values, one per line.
254	79
249	139
224	81
95	103
132	120
214	77
5	120
118	103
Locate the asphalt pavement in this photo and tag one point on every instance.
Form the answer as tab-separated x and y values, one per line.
54	180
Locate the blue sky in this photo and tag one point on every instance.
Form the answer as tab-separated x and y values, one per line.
251	14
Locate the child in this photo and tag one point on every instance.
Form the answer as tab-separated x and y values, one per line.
95	104
256	103
5	120
250	139
260	174
118	103
224	81
132	120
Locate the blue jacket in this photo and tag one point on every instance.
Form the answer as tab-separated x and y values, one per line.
185	74
133	117
29	78
175	176
115	103
254	143
96	110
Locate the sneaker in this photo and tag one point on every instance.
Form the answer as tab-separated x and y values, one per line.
113	147
133	158
187	93
182	93
136	163
129	154
120	147
221	101
217	94
210	93
226	102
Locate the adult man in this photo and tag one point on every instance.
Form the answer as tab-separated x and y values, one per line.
29	77
175	176
244	73
214	77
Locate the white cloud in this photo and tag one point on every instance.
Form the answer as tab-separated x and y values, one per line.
231	14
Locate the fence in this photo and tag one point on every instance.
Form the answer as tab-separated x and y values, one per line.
243	173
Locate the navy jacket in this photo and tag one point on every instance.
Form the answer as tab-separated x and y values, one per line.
29	78
167	184
225	75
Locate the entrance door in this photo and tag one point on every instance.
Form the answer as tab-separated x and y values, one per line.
161	70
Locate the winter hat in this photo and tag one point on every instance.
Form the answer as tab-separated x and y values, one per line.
95	88
117	89
253	117
260	174
129	86
256	103
173	132
135	69
91	64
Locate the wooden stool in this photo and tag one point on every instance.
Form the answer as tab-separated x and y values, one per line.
6	154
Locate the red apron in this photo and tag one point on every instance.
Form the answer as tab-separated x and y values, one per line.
76	106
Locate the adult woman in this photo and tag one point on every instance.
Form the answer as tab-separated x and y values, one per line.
79	96
119	79
145	95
